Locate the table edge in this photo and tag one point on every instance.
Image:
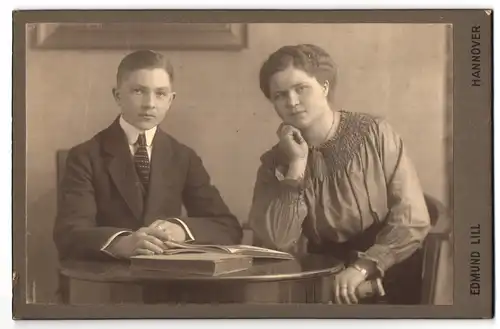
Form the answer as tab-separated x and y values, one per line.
249	279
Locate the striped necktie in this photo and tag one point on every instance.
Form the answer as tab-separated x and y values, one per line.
141	161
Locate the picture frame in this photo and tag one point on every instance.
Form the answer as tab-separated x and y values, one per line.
161	36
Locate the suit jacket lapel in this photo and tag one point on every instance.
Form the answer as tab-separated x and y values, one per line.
121	168
162	163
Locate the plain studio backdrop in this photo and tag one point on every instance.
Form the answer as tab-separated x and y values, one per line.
398	71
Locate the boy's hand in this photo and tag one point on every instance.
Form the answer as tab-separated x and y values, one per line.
145	241
174	231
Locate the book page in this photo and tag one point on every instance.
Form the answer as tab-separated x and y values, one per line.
176	248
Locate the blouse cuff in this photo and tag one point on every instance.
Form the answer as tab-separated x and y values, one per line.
382	256
289	184
291	191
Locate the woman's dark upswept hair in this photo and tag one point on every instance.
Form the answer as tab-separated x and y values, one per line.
143	59
309	58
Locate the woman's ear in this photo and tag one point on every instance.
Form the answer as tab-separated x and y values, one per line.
326	87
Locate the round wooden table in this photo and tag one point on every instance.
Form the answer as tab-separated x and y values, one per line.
307	279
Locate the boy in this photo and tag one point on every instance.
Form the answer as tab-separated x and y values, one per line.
124	188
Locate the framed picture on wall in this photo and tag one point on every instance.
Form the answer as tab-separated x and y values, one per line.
175	36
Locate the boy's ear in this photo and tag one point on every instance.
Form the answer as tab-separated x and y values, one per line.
116	93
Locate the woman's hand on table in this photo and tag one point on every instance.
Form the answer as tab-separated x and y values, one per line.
345	285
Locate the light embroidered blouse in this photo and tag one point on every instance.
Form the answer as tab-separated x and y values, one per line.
360	177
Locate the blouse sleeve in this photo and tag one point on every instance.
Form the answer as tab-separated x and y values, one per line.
278	209
408	221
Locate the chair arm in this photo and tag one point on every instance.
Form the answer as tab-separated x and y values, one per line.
441	230
442	223
439	233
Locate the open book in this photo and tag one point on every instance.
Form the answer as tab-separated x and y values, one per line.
246	250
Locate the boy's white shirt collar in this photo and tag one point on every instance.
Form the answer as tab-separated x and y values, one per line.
132	132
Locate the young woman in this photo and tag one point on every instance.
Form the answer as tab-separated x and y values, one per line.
340	180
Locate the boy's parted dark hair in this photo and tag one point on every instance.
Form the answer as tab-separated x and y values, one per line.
142	59
310	58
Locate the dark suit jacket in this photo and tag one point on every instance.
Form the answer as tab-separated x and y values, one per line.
101	194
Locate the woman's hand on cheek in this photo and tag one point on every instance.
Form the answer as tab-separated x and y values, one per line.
292	143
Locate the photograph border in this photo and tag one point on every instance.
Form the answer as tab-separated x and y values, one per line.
471	184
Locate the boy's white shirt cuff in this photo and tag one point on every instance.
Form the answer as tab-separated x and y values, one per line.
108	242
185	227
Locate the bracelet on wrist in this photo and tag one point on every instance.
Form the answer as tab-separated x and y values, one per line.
360	269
